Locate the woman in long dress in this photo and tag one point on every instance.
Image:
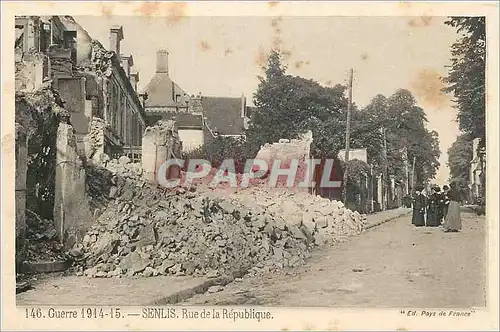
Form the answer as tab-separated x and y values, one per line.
433	209
446	200
418	209
453	222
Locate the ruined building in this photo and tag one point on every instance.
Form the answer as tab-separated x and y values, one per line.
75	101
198	118
98	86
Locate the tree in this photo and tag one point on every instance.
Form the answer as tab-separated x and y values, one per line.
219	149
466	76
275	67
404	123
408	131
459	158
290	105
365	129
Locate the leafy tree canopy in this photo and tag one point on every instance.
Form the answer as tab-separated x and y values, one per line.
466	76
405	126
459	158
290	105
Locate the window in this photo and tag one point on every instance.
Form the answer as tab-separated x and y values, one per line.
177	98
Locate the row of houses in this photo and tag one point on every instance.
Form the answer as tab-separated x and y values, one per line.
99	86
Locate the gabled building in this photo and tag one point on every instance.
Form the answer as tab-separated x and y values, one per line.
224	116
198	118
164	95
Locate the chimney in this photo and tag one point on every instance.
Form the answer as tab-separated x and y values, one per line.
243	105
162	61
115	37
127	62
134	79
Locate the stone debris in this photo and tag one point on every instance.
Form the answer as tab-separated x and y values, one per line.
215	289
41	241
147	231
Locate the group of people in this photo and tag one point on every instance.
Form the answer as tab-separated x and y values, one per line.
437	208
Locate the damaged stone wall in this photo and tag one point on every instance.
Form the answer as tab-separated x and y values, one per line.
83	40
160	142
36	119
71	210
73	92
21	169
96	137
30	71
50	179
61	64
287	150
37	114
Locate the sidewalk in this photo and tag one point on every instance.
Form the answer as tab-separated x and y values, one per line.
73	290
376	219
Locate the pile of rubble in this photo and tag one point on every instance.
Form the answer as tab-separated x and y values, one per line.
146	230
42	244
318	218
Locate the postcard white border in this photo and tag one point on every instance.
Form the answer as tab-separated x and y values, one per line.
285	318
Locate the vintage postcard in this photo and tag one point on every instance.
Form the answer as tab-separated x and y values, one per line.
250	165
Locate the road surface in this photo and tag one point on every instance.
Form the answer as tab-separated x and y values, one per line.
393	265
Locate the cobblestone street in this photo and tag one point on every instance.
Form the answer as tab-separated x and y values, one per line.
393	265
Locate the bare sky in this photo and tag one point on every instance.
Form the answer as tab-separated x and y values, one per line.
222	56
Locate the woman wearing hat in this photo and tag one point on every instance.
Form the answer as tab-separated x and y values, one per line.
418	208
452	221
433	208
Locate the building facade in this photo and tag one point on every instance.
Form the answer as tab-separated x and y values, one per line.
198	118
98	86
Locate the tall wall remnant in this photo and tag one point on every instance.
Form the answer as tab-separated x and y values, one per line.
71	210
160	142
21	169
50	179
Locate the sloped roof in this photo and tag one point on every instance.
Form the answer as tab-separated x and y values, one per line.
223	114
185	120
161	92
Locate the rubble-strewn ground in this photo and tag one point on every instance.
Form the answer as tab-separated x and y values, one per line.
41	245
393	265
145	230
41	240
